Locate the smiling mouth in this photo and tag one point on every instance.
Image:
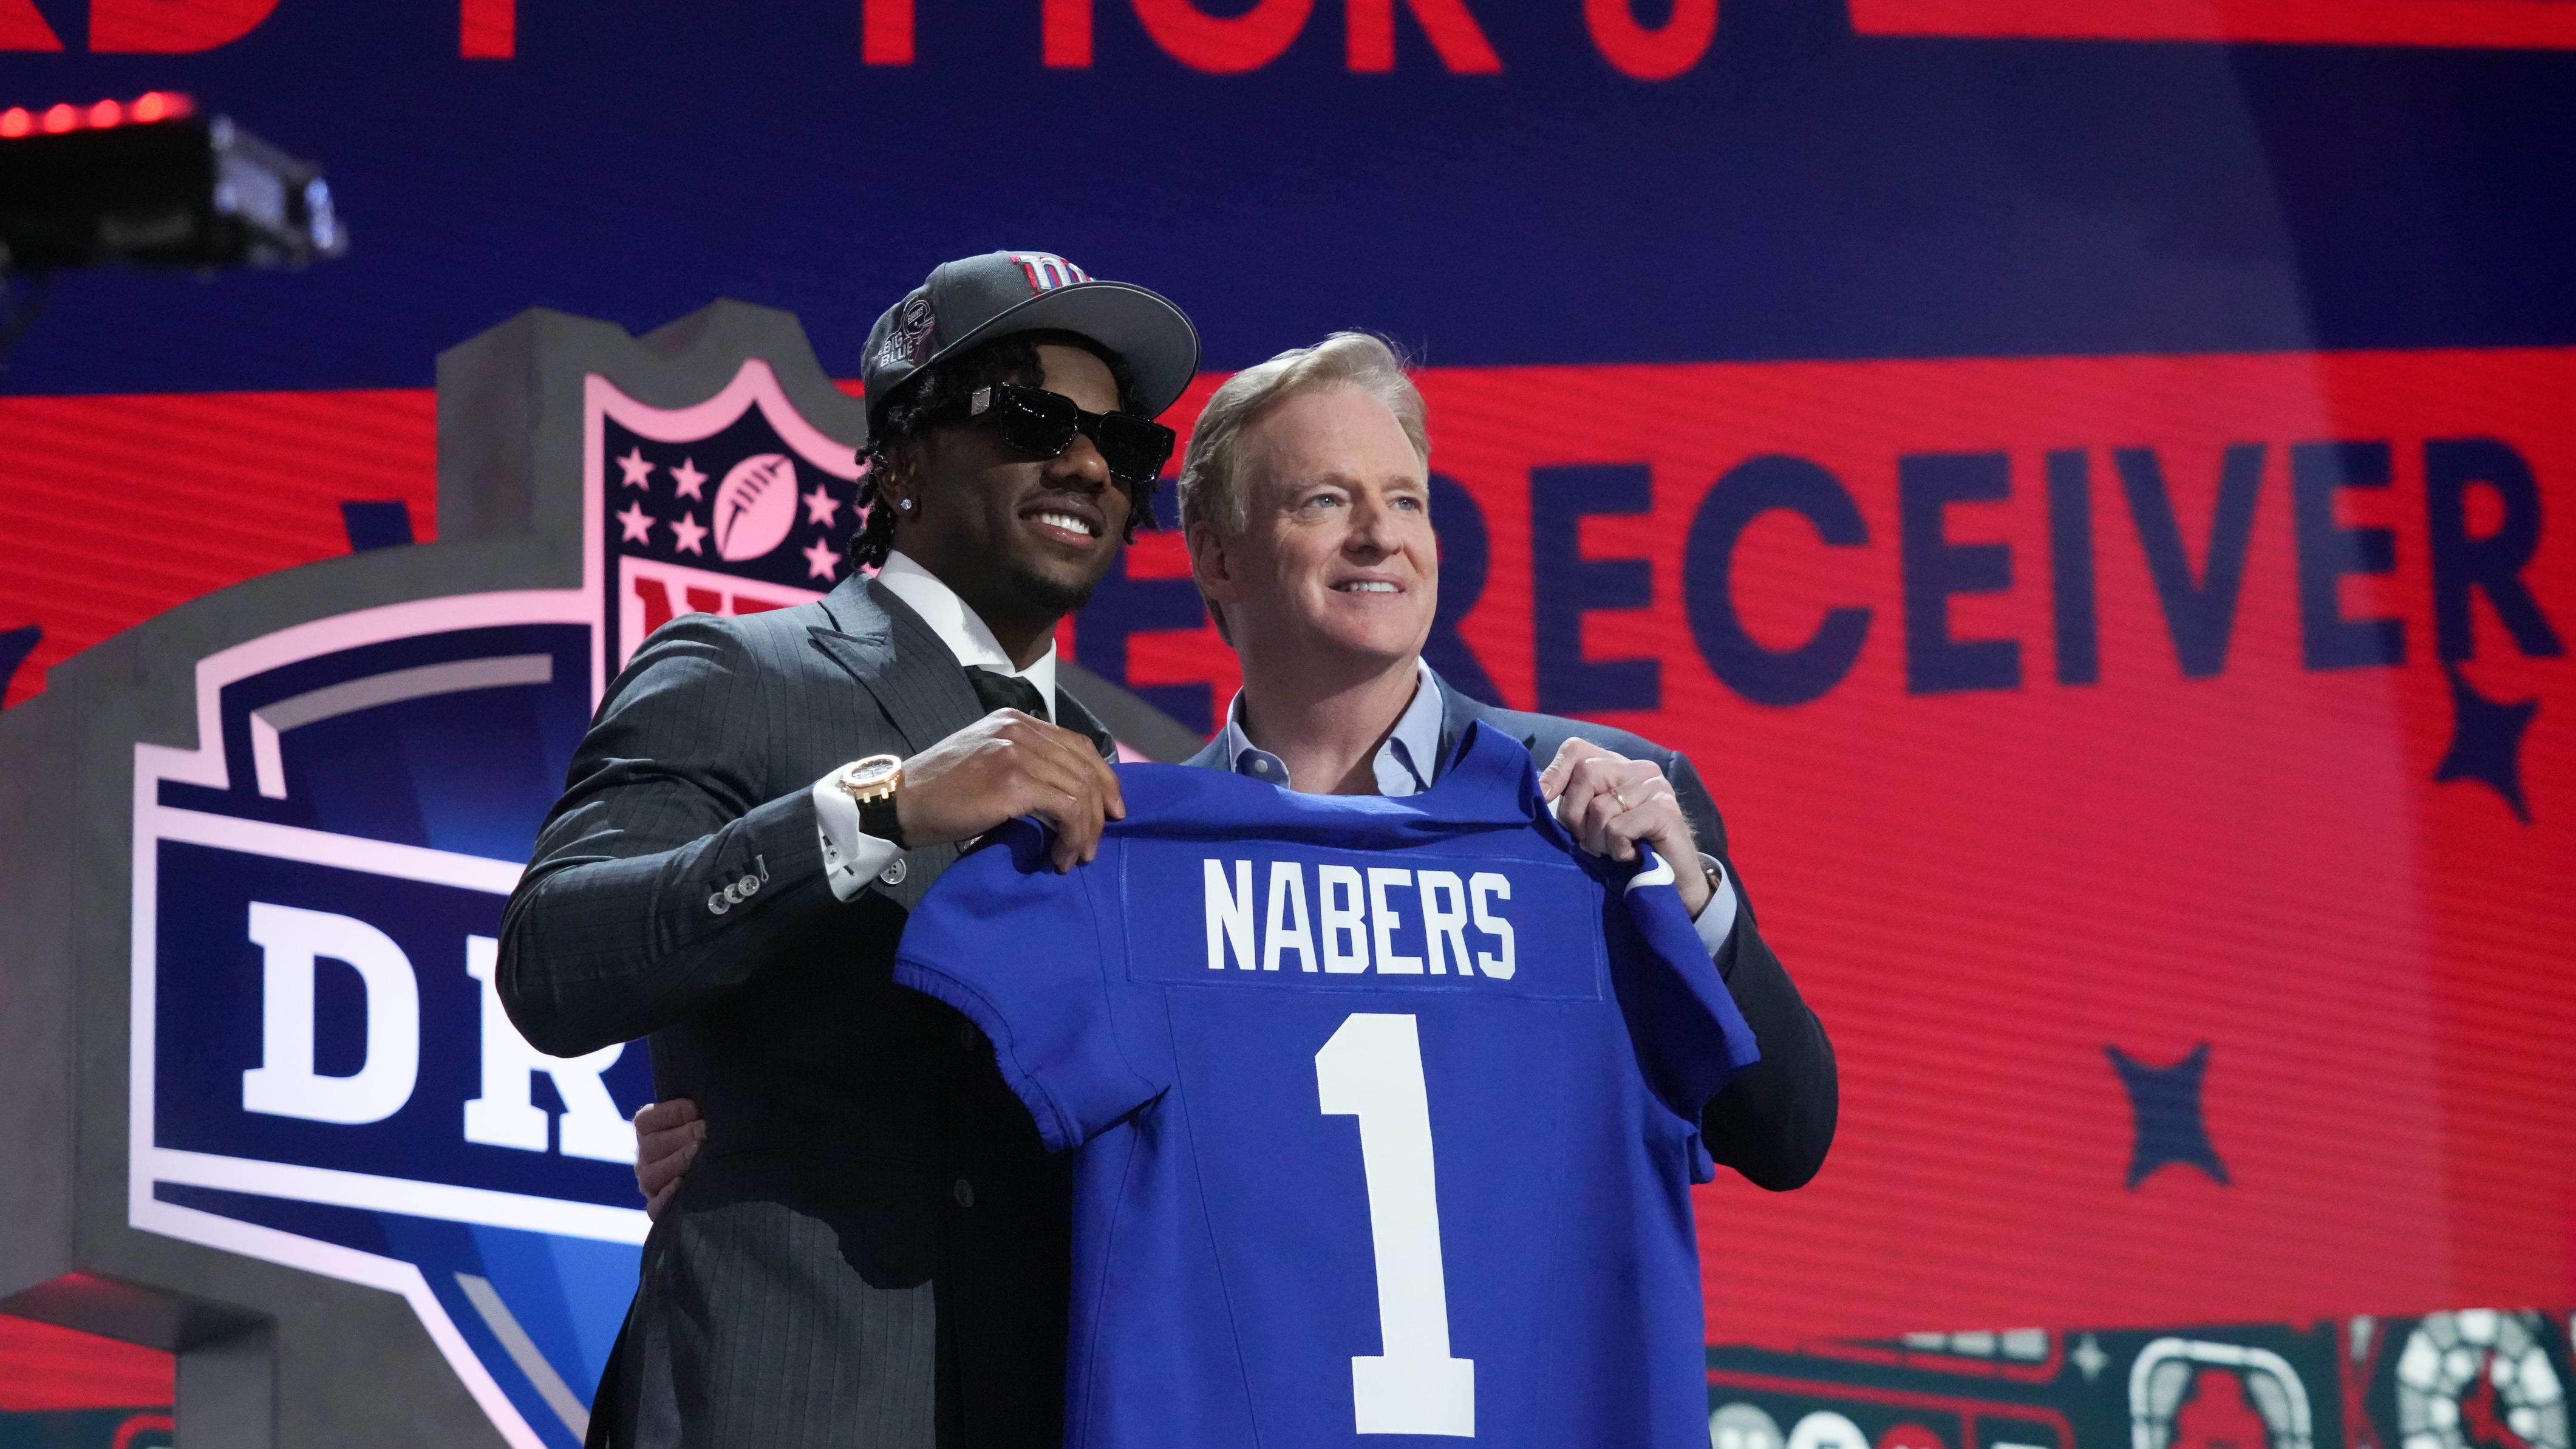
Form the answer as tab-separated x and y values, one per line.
1367	586
1071	525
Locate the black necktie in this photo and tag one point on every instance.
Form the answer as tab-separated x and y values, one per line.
996	690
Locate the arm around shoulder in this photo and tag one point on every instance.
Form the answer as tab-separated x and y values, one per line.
668	875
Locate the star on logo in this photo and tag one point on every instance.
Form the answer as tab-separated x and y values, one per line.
689	479
822	561
636	524
2486	742
2164	1104
692	535
821	507
639	473
2090	1358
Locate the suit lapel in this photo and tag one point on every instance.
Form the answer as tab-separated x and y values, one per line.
899	661
914	678
1457	712
1070	714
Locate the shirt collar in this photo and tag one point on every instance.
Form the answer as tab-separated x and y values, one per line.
1404	764
959	627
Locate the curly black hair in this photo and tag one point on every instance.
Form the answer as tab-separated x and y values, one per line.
930	398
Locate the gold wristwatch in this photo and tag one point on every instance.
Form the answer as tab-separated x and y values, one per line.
872	784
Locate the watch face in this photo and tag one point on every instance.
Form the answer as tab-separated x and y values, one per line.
874	772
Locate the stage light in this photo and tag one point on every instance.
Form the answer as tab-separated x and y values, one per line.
154	183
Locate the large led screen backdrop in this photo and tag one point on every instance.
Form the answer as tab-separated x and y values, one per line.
2087	484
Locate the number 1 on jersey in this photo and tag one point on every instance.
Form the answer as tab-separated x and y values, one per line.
1372	1069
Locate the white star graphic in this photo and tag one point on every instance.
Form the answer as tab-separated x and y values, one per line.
822	561
639	474
821	507
637	524
689	479
691	535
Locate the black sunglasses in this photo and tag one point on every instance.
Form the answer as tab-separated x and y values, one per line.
1043	424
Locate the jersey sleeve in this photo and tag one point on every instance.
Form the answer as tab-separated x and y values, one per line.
1690	1038
1026	954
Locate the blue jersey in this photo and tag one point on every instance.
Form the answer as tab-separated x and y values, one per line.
1387	1111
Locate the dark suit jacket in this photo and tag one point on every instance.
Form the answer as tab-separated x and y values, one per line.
1775	1120
874	1248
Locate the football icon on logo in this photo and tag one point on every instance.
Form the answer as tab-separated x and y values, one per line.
755	506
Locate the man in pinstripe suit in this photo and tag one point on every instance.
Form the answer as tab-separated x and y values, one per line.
874	1250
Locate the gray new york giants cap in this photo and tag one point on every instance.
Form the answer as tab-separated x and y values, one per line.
975	300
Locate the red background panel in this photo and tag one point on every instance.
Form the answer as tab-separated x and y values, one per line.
113	509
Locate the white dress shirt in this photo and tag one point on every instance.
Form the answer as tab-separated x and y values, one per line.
850	855
1406	763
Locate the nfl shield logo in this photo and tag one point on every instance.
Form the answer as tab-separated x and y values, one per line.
734	506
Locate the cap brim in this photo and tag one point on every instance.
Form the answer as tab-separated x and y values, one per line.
1152	337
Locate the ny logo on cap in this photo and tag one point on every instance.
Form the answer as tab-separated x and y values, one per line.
1046	272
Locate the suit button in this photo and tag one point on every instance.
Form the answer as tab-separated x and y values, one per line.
893	874
963	1193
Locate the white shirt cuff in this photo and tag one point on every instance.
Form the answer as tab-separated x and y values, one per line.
1716	920
851	856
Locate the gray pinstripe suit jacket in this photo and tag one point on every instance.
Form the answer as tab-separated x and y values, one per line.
874	1248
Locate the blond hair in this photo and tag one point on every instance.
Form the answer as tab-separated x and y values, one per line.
1212	475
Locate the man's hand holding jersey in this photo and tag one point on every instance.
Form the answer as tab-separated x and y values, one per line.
1611	804
1001	767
